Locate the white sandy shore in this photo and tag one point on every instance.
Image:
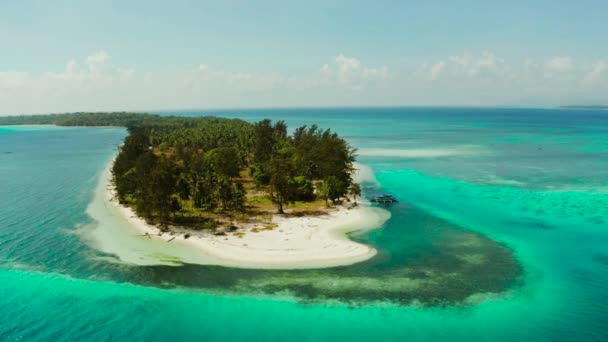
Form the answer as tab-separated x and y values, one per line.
296	242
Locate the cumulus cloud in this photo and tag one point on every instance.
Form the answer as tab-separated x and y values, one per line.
350	72
97	83
598	72
465	66
488	79
559	64
436	70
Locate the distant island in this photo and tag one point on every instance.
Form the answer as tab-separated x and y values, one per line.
113	119
217	179
585	107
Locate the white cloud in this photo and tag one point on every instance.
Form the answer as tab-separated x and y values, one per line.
599	71
487	79
12	79
97	58
351	73
465	66
96	83
560	64
96	73
436	70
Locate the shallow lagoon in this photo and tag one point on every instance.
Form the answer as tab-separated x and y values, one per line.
501	213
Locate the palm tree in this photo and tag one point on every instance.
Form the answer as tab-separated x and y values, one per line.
355	190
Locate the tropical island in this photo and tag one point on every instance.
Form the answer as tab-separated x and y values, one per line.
249	194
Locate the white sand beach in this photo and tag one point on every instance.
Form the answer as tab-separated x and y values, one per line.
295	242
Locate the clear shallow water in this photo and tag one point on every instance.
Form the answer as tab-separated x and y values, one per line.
531	180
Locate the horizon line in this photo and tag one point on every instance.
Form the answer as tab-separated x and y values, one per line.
231	109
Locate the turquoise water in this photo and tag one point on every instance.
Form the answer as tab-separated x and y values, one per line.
500	234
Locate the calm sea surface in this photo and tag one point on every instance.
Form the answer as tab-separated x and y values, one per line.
501	234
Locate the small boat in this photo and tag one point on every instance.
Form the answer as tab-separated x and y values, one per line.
384	198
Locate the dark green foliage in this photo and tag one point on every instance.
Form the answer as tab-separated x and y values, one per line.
225	161
260	176
264	141
322	154
141	177
203	133
239	194
323	192
212	152
136	144
282	186
335	188
355	191
161	187
122	119
231	195
304	189
171	164
331	188
202	181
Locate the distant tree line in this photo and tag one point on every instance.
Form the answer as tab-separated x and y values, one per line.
118	119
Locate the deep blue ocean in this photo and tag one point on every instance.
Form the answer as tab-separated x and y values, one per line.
500	234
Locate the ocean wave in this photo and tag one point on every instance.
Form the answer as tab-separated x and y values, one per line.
495	180
465	150
364	174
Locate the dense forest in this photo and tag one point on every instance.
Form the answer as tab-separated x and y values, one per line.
179	170
200	171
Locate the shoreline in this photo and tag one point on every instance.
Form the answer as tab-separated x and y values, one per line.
295	242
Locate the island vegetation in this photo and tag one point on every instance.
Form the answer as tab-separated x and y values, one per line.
202	172
117	119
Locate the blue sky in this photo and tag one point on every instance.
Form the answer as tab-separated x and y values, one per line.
286	53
